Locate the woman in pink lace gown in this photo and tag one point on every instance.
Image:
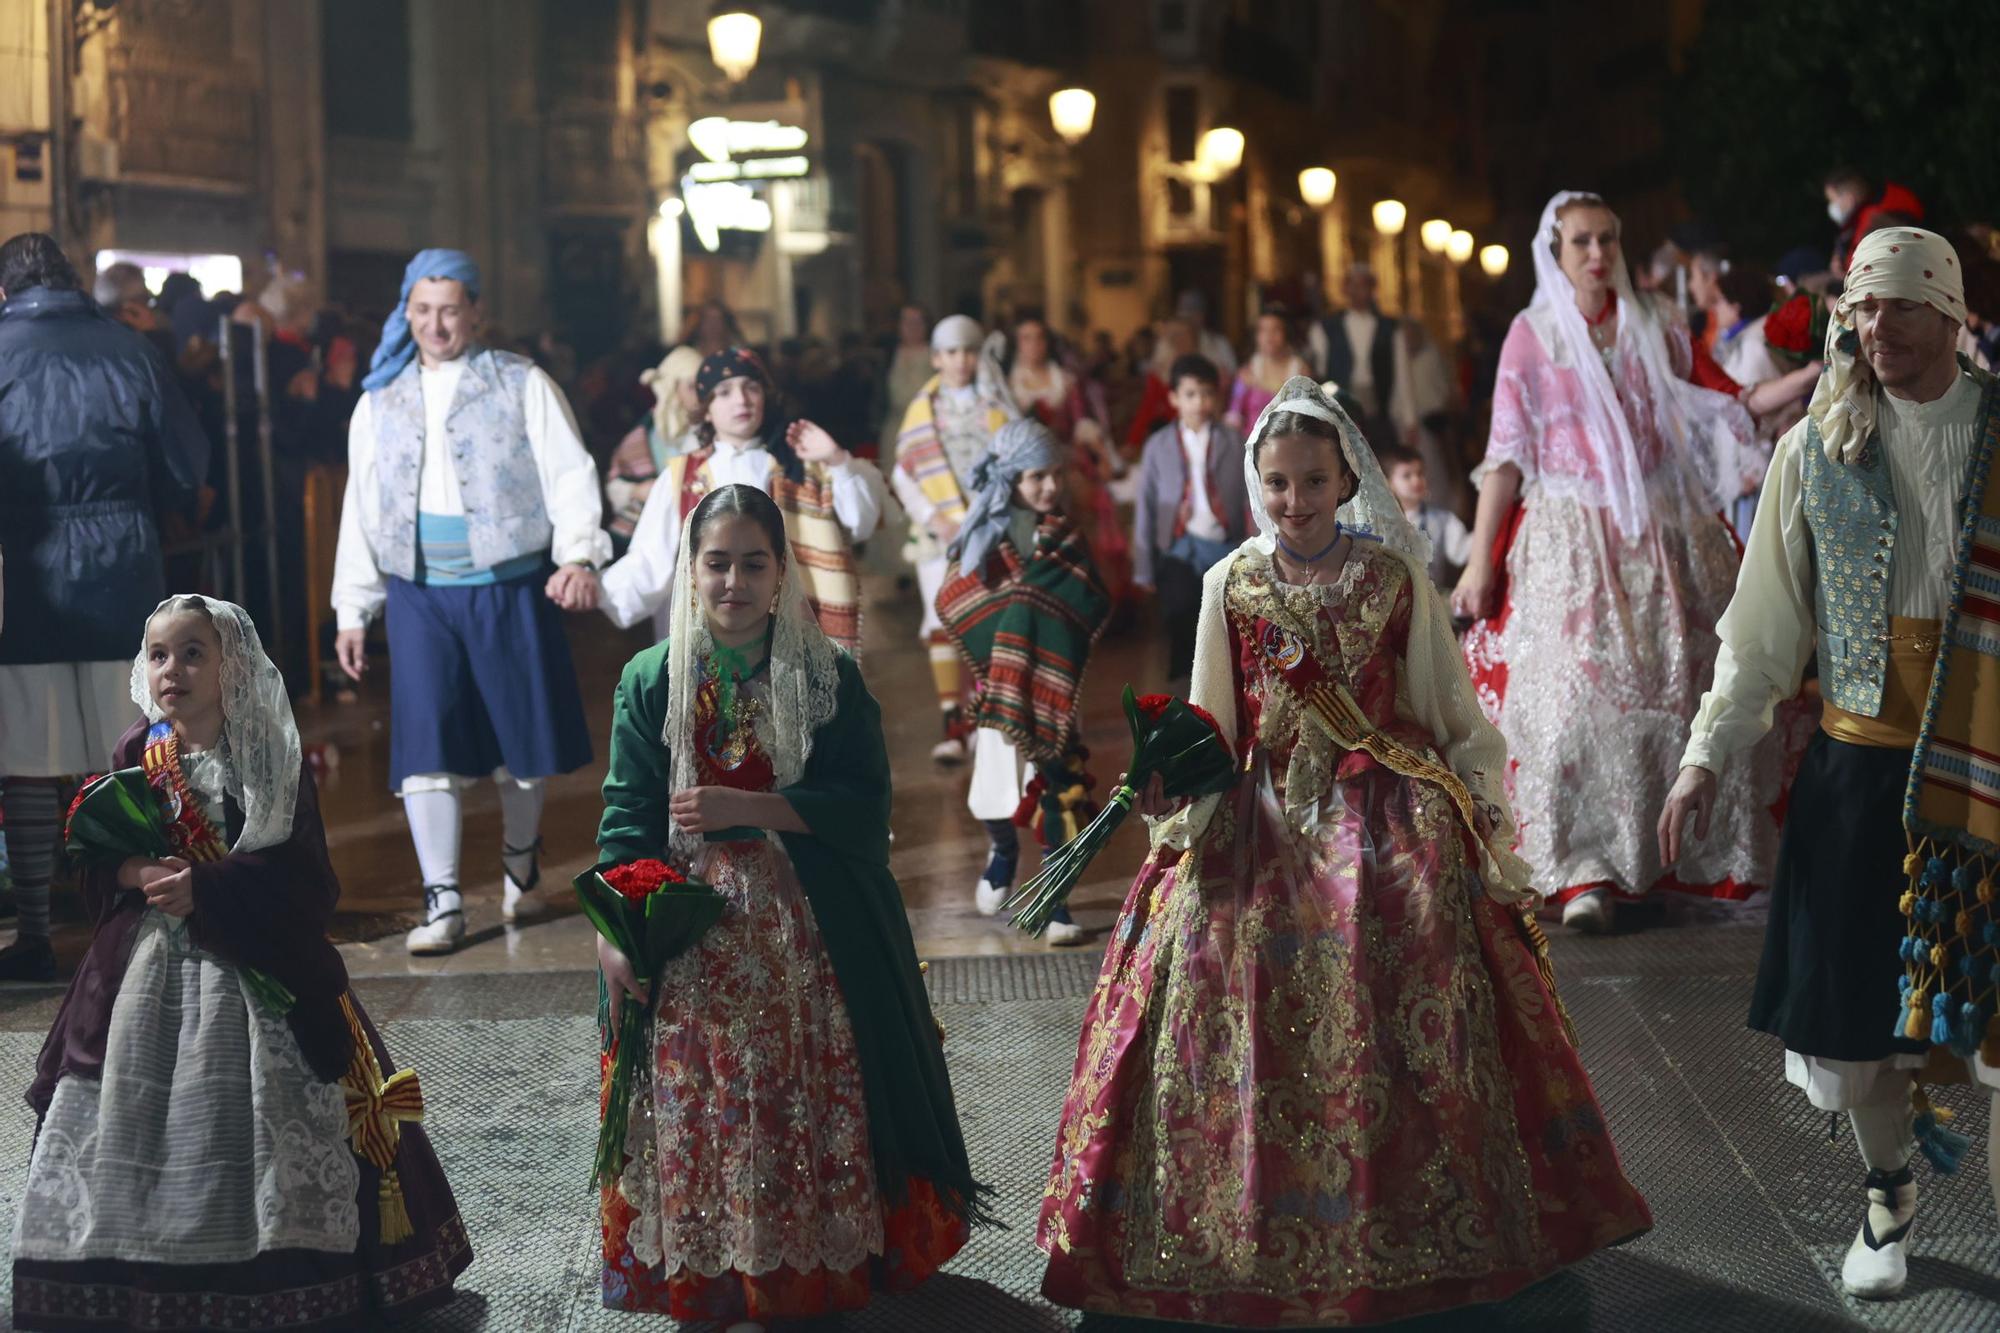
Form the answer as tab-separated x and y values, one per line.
1611	474
1323	1078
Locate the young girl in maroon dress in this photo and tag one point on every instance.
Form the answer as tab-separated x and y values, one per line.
1324	1077
222	1139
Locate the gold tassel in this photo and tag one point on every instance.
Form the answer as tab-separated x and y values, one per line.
396	1226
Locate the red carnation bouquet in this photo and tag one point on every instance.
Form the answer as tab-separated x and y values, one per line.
1797	327
652	914
1170	737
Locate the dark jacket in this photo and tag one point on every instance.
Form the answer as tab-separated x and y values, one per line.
96	439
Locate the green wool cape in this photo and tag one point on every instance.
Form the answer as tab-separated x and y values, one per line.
843	866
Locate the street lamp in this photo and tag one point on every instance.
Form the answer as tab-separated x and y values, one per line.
1316	185
1390	215
1493	260
1220	151
1458	246
734	33
1072	111
1436	234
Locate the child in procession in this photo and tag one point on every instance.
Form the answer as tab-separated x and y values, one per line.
219	1143
1325	1018
1024	605
1451	540
794	1146
946	431
1191	510
831	500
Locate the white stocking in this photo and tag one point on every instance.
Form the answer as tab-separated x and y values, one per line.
520	820
434	828
1883	1132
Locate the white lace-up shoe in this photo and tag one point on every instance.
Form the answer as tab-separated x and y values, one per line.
444	921
1878	1262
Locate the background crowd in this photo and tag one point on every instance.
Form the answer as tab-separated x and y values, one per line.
1756	321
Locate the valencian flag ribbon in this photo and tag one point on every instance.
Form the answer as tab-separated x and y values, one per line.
377	1109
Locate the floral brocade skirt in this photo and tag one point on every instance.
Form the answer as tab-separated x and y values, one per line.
1321	1081
749	1190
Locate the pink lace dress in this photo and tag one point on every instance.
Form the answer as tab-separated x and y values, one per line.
1603	644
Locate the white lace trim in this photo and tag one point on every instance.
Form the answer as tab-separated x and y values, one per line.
208	1140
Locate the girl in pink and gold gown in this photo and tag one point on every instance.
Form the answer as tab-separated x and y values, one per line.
1324	1077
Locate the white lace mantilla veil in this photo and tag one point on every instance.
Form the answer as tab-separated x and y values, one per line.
1705	431
260	741
804	679
992	380
1440	690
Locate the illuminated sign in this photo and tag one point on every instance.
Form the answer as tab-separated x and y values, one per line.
722	190
757	168
719	139
722	205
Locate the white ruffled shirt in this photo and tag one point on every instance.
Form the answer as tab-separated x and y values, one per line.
1768	632
636	586
569	486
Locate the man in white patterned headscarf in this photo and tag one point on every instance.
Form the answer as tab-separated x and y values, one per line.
1853	554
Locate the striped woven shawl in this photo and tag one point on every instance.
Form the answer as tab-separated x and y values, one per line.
812	531
1026	629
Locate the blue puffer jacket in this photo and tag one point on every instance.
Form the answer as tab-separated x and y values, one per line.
96	438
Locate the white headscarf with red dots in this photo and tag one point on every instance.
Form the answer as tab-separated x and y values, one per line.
1896	264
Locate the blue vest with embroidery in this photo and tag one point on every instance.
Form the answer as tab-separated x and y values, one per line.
486	431
1851	513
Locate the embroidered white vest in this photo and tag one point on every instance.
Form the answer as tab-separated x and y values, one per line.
486	432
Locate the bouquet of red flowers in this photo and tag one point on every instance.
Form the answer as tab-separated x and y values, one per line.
1170	737
1797	327
652	914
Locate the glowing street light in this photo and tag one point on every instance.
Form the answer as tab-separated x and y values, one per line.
1390	215
734	34
1072	111
1458	246
1316	185
1493	260
1436	234
1220	151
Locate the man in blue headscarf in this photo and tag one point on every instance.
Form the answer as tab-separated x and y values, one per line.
466	481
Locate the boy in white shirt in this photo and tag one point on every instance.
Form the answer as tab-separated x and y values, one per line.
1192	508
1409	482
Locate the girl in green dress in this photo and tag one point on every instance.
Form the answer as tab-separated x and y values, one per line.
795	1145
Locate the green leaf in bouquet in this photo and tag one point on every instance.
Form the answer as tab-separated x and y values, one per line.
677	916
116	816
615	917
